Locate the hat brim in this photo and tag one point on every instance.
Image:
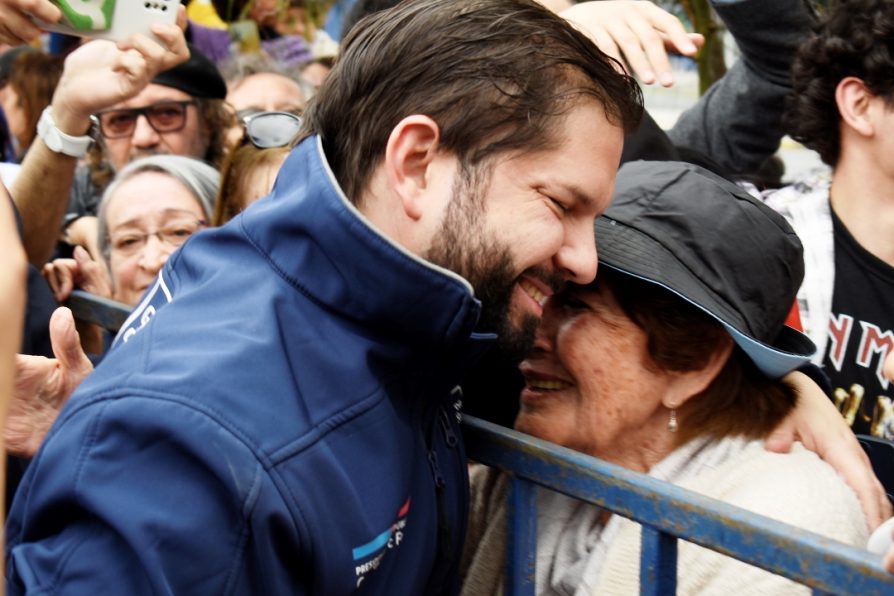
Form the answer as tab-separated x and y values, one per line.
631	252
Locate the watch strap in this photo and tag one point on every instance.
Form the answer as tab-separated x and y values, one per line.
58	141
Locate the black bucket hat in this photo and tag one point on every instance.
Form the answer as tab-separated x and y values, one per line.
714	245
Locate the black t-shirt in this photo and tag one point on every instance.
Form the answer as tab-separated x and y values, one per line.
861	335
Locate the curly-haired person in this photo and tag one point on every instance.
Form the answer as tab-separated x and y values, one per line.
842	106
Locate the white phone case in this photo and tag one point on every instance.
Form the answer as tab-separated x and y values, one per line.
115	20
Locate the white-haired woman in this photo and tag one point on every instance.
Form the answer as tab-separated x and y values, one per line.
151	207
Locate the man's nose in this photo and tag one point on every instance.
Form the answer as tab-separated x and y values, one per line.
577	258
143	133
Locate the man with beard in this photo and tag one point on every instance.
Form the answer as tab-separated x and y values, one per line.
278	416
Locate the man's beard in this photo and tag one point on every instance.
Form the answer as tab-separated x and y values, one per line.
462	246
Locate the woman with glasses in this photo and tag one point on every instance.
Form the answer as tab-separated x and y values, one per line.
151	207
251	167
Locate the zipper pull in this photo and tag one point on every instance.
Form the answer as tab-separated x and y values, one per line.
449	435
435	470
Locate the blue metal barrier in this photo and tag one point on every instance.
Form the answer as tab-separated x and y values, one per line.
666	512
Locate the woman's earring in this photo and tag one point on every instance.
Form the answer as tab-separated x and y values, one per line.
672	425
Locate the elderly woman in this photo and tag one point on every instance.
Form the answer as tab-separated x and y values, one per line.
151	207
668	364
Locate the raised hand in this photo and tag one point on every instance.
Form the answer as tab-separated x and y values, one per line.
101	73
43	386
635	32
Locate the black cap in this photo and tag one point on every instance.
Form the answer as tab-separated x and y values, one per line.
198	77
713	244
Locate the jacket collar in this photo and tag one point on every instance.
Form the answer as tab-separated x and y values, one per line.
321	245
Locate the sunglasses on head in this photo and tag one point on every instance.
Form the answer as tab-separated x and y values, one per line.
267	130
164	116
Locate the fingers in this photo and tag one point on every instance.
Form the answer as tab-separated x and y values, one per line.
16	26
781	439
94	275
853	464
639	31
608	46
61	274
42	9
181	18
67	343
161	56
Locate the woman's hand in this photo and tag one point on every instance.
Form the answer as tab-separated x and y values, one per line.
819	426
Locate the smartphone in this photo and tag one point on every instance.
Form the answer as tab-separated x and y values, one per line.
115	20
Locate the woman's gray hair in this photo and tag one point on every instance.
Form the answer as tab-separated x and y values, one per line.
197	176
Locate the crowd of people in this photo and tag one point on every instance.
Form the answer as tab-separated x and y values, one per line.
328	260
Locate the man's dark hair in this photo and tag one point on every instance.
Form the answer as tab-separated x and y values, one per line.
740	401
361	9
496	76
855	40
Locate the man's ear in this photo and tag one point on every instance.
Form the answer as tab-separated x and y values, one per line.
854	101
411	150
687	384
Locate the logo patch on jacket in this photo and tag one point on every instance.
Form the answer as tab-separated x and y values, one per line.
157	296
373	551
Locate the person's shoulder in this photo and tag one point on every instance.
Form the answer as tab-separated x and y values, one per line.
797	488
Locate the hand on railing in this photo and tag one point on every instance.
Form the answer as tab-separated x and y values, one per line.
43	386
81	272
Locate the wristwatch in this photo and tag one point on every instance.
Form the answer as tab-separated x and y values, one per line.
58	141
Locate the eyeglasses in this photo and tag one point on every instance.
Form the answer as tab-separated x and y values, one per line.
174	234
164	116
267	130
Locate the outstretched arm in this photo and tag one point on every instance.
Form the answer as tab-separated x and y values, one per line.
819	426
738	121
97	75
13	275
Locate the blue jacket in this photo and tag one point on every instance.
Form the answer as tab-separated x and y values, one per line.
283	424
